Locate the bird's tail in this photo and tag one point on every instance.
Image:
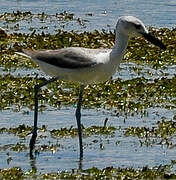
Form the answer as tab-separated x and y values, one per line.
22	54
26	53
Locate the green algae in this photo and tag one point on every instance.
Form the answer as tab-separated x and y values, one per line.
126	96
19	147
161	172
23	130
164	129
93	130
161	133
16	20
13	173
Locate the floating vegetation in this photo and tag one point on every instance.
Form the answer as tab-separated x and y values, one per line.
13	173
22	130
127	96
16	21
161	172
28	15
160	134
19	147
93	130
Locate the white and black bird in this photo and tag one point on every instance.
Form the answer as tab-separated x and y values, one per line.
86	66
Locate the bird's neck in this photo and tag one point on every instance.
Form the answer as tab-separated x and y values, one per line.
121	42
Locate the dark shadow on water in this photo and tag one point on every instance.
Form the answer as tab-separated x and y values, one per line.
33	162
33	165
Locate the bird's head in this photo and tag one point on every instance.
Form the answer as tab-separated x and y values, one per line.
134	27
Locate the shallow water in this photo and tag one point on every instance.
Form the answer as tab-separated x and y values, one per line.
99	150
117	151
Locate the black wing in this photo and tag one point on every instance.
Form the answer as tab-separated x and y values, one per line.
65	59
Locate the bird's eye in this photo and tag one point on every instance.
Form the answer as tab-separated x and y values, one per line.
137	26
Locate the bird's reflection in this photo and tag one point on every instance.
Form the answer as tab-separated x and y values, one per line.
33	164
33	159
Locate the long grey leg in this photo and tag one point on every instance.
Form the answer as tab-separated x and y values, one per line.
34	134
78	118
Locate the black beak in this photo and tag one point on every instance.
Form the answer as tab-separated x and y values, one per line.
154	40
